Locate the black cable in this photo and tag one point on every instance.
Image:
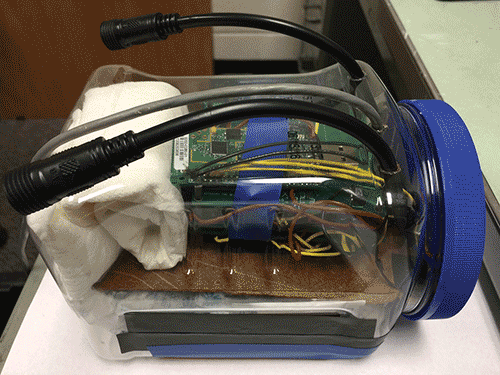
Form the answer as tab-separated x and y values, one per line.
44	182
271	108
123	33
244	151
267	155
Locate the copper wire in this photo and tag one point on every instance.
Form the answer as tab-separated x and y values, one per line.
299	209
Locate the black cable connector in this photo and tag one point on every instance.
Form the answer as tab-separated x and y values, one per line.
45	182
123	33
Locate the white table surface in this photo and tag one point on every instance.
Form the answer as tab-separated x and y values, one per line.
459	44
51	341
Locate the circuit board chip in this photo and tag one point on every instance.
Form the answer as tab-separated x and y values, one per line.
233	134
219	148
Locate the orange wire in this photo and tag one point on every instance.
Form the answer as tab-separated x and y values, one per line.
241	124
295	247
284	207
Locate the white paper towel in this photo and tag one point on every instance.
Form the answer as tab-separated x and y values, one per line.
138	210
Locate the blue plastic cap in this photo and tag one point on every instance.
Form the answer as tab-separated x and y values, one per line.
464	216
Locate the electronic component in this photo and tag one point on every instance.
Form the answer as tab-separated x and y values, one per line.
233	134
219	148
337	164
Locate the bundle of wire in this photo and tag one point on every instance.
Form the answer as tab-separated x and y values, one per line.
309	167
365	219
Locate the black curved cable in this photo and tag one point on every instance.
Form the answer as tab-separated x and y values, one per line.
123	33
279	26
268	108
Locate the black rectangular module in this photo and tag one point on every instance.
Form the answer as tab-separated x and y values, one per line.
233	134
219	147
167	328
259	324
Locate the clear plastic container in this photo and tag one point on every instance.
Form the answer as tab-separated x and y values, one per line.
312	246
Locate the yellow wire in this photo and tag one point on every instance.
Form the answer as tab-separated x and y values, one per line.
281	221
343	242
312	237
308	245
318	249
306	172
273	169
320	254
351	237
314	162
301	240
317	164
409	196
307	253
299	171
344	245
366	175
320	161
313	251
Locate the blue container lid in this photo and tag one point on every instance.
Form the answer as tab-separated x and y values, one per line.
462	213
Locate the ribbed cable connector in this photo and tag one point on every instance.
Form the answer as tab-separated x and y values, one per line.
123	33
45	182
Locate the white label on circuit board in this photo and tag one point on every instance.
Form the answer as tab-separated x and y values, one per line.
181	153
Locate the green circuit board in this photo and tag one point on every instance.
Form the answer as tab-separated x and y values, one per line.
306	140
215	148
206	168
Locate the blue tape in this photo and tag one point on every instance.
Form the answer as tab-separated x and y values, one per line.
259	351
257	224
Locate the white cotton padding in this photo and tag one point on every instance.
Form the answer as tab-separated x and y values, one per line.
138	210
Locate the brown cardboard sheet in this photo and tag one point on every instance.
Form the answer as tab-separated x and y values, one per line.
215	267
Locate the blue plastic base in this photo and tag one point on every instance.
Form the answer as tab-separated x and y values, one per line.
259	351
